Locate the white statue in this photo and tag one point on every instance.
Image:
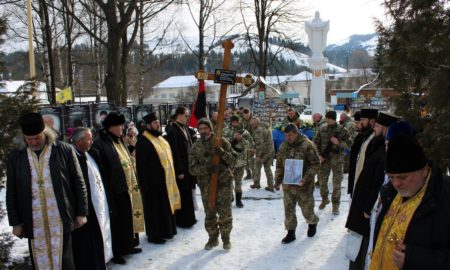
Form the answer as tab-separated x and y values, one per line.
317	35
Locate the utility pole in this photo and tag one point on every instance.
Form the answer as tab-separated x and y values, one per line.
31	50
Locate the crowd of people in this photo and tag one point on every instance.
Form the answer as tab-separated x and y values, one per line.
83	205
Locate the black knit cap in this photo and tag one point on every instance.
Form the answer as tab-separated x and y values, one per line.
31	123
404	155
357	116
150	117
290	128
369	113
113	119
205	121
331	115
386	119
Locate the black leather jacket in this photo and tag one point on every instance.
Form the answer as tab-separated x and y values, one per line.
68	186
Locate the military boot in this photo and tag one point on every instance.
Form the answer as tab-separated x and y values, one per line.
257	186
335	210
226	243
312	228
289	237
324	203
239	203
248	175
212	242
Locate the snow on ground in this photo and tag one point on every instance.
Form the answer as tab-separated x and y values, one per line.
256	239
20	249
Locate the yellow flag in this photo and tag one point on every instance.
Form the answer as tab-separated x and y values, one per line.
64	96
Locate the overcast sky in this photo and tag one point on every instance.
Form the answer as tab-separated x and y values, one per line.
347	17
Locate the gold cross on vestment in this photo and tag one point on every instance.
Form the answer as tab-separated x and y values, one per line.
137	214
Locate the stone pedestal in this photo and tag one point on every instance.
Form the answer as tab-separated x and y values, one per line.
317	66
317	31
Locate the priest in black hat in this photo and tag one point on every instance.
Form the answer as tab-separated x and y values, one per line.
120	181
367	187
413	228
368	117
157	181
46	196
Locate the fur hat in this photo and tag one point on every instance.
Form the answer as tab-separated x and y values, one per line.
150	118
31	123
404	155
369	113
386	119
331	115
205	121
113	119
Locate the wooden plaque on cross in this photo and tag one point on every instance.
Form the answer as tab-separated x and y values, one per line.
247	81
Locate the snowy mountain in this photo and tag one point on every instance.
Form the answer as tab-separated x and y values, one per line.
367	42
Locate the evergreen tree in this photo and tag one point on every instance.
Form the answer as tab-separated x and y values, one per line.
414	58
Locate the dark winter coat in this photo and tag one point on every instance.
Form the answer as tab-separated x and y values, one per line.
180	147
68	185
112	173
427	238
367	187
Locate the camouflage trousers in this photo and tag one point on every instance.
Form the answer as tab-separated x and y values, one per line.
332	163
238	174
303	196
218	220
250	164
257	172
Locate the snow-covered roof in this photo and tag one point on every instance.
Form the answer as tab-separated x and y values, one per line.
273	80
180	81
10	87
302	76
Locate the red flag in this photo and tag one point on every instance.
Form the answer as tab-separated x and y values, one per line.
199	107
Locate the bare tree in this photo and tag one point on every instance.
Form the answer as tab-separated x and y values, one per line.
265	19
206	20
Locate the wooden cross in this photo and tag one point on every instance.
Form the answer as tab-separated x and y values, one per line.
247	81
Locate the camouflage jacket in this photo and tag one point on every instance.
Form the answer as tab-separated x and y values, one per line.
241	146
287	120
200	158
317	126
322	140
262	137
246	124
302	149
349	124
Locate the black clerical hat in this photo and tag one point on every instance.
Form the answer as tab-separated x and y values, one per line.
31	123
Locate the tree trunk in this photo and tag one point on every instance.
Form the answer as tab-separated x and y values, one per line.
141	52
48	43
123	70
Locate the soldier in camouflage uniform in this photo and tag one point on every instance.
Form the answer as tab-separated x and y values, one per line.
331	141
241	141
217	220
250	164
291	117
298	147
264	152
349	124
318	122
